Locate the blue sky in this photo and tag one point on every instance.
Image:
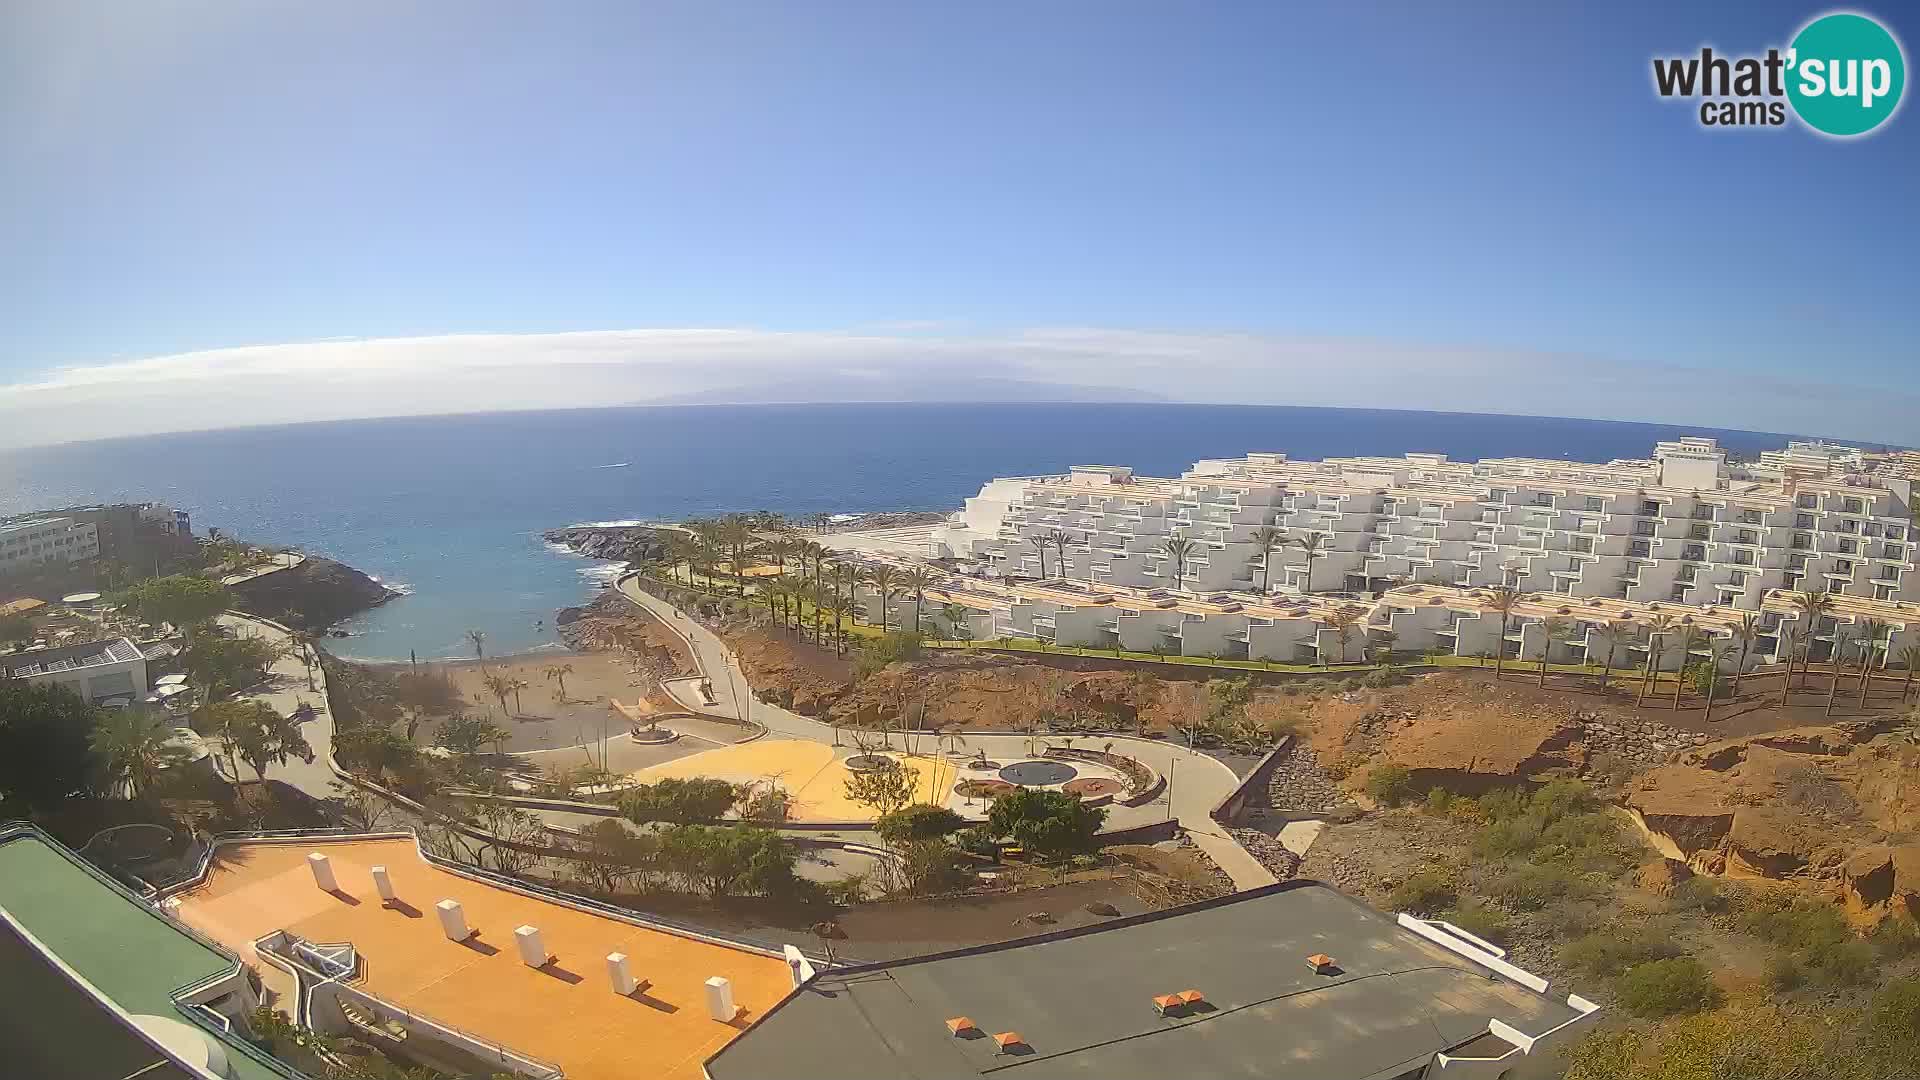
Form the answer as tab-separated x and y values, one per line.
1354	197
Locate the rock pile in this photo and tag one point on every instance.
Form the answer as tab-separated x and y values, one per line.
1300	785
1641	741
1268	852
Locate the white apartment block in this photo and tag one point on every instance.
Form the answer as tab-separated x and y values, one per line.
99	671
36	542
1684	530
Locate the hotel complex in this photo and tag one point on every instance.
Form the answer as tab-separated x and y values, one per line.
1404	548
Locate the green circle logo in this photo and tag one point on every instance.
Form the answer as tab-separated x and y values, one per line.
1845	74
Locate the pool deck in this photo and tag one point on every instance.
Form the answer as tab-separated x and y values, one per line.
564	1013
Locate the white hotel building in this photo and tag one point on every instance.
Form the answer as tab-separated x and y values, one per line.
31	543
1405	541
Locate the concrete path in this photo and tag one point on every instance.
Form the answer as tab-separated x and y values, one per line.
1196	782
285	690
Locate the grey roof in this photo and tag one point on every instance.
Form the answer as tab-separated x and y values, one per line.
69	658
51	1027
1082	1001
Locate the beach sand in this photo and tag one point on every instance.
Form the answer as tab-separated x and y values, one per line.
544	720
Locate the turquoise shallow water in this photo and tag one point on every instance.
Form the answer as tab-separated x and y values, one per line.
451	508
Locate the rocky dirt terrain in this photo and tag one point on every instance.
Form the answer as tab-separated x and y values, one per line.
611	622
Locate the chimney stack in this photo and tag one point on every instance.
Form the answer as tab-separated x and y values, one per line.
322	872
533	951
453	920
620	974
720	1004
383	884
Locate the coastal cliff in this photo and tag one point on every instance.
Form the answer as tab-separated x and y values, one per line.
311	596
615	543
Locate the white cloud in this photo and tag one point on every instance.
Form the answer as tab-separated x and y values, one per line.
337	379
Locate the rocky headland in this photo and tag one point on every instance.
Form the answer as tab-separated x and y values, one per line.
615	543
311	596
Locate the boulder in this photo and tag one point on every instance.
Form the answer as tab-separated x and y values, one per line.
1882	879
1469	753
1662	876
1771	842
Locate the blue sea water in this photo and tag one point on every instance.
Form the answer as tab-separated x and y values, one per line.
451	508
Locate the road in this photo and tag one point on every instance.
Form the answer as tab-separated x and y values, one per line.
1196	782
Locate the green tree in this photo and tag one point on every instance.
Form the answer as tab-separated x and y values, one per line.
132	748
730	861
15	629
1313	545
1178	548
377	751
1502	599
1658	627
919	821
884	788
683	801
467	735
478	639
1050	823
1668	987
884	580
262	737
221	663
45	744
1267	538
916	582
179	599
557	675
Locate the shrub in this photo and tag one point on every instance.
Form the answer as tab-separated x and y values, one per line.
1784	973
1896	1011
1482	922
1668	987
1381	679
1439	802
1046	822
1701	894
679	801
1389	784
1896	938
1529	887
921	821
1604	954
1815	935
889	647
1424	893
975	841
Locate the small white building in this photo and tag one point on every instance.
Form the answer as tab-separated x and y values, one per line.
100	672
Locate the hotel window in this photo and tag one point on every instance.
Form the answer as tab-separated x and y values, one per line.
1843	566
1801	540
1591	525
1595	504
1847	547
1803	521
1807	501
1697	532
1743	558
1848	525
1582	543
1792	581
1694	553
1750	517
1649	508
1894	551
1639	549
1745	537
1883	592
1703	513
1895	532
1738	579
1851	506
1542	498
1796	562
1679	593
1643	528
1871	528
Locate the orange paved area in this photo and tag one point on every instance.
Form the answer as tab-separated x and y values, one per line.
811	772
565	1014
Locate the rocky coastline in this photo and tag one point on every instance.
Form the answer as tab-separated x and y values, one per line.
614	543
311	596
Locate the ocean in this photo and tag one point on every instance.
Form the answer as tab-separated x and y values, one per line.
449	509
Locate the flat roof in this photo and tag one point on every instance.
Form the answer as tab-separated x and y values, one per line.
1082	1001
22	665
564	1014
52	1027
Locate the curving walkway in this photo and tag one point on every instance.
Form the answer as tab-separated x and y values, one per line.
1196	782
285	690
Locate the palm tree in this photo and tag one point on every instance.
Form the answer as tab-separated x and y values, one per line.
1178	548
884	580
1717	649
736	532
500	686
1874	639
133	749
1342	622
558	674
1812	605
1500	598
517	685
1040	545
1840	638
1059	539
916	581
957	620
1615	631
1658	627
837	610
1312	544
1910	659
479	640
1266	538
1744	632
1551	630
1689	638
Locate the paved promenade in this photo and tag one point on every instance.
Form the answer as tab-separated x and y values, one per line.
1196	782
285	690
